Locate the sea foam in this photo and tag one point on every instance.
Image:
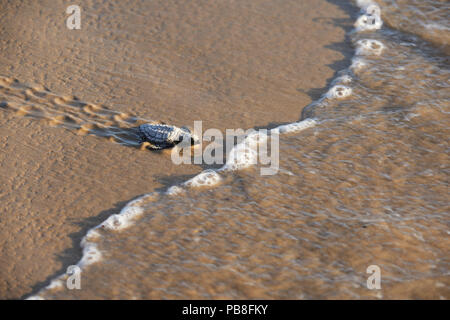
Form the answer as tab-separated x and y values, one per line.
339	92
368	22
358	64
245	153
366	47
206	178
296	126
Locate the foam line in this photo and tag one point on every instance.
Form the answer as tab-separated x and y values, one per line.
296	126
245	154
357	64
366	47
206	178
368	22
339	92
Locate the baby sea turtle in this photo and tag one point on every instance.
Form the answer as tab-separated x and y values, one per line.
161	136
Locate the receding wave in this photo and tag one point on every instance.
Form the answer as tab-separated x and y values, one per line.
427	19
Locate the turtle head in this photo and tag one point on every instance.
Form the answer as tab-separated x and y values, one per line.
193	137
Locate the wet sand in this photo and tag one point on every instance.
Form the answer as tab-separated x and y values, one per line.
231	64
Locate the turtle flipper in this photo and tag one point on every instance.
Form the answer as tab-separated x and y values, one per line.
157	146
152	146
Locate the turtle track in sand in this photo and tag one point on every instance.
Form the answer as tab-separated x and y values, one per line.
37	102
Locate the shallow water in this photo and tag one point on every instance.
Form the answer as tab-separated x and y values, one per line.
366	185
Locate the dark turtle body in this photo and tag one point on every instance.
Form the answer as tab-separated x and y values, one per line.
161	136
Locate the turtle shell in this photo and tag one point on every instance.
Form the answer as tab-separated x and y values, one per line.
161	135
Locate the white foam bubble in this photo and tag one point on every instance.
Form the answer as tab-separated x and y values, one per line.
373	10
173	190
245	154
339	92
296	126
255	138
358	64
368	22
240	158
124	218
345	79
369	47
91	255
206	178
91	235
